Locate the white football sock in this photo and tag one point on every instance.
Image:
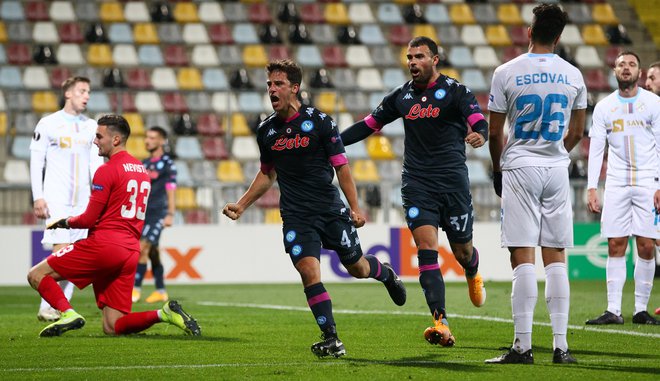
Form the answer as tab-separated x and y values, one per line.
557	297
67	287
644	272
616	278
524	293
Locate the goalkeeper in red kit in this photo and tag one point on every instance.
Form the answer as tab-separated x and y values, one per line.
108	257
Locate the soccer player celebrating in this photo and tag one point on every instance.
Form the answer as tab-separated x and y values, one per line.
160	212
107	258
63	159
540	93
629	121
436	111
299	148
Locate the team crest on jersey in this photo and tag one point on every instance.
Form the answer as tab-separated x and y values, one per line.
307	126
408	96
296	250
439	94
290	236
413	212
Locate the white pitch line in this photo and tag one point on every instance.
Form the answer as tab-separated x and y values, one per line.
416	313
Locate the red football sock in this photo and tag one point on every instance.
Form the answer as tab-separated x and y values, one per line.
136	322
53	294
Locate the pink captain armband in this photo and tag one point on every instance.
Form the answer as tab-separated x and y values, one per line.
339	159
170	186
266	168
373	123
474	118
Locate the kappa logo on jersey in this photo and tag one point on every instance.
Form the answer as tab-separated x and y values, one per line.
450	81
283	143
417	111
307	126
322	115
271	132
439	94
408	96
309	111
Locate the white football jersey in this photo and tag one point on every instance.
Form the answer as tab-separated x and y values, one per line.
537	92
71	157
631	127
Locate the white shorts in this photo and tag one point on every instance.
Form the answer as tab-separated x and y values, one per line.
628	210
57	236
536	208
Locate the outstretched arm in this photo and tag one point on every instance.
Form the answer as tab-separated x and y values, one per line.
261	183
356	132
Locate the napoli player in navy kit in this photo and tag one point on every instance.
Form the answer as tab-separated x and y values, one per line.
299	148
436	112
160	212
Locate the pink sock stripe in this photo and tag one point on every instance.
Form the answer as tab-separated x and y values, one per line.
432	267
318	299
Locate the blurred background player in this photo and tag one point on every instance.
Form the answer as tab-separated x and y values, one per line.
629	121
160	212
539	92
108	257
436	112
299	148
653	85
63	160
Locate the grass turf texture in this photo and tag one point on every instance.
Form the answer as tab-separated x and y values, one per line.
271	339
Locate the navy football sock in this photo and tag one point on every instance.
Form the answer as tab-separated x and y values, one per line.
158	276
319	302
430	278
473	266
377	270
139	274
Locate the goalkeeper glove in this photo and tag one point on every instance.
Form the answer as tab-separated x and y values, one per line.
59	224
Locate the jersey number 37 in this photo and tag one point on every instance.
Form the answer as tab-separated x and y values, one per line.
137	202
541	109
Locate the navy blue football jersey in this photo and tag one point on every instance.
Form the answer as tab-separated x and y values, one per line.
162	172
303	151
436	122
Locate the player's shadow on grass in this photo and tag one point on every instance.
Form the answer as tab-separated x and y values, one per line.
617	354
617	368
431	361
168	337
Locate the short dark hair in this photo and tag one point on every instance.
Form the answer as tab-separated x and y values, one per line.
656	64
548	23
630	53
424	41
71	81
117	124
292	70
160	130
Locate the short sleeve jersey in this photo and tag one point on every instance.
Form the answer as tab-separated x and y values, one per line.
435	121
71	156
123	186
301	150
537	92
162	172
631	127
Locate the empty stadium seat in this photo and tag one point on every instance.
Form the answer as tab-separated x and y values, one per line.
87	10
12	10
18	54
24	123
255	56
379	148
189	78
164	78
175	55
393	77
518	34
185	198
357	151
484	13
449	35
35	77
230	55
355	101
125	55
214	149
45	101
210	12
223	102
604	14
136	122
472	35
220	34
278	52
460	56
370	34
204	55
593	34
185	12
360	13
309	56
98	102
188	148
234	12
461	14
61	11
3	32
270	199
99	55
203	171
389	13
174	102
148	101
333	56
195	33
486	57
474	80
365	171
138	78
588	57
58	75
329	102
170	33
19	101
215	79
578	13
437	14
427	30
245	34
259	13
399	35
509	14
45	32
238	126
343	78
369	79
358	56
209	125
596	80
250	102
70	32
120	33
17	171
245	148
3	55
136	11
382	56
10	77
123	102
336	13
497	35
145	33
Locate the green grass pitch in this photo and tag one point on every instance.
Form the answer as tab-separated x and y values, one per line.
265	331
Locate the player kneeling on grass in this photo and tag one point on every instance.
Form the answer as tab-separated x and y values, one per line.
108	257
299	147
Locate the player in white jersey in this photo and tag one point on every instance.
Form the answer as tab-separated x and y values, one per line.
629	121
653	85
545	100
63	160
